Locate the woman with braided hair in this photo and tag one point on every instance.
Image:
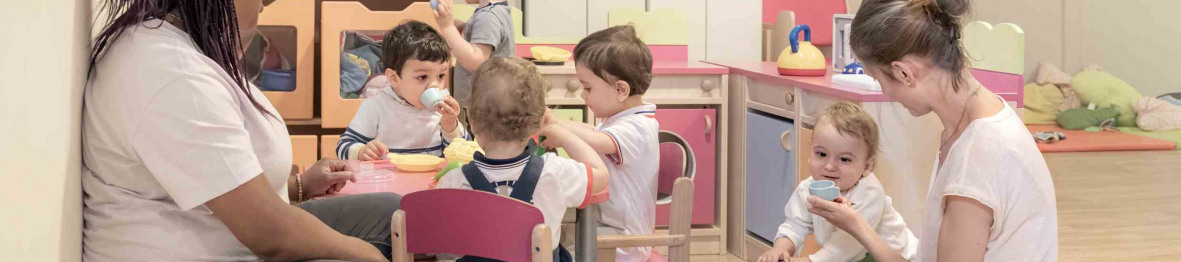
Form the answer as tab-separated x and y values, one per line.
185	161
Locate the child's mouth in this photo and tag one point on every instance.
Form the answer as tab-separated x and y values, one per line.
832	178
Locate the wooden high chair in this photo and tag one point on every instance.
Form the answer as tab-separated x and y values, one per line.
456	221
677	239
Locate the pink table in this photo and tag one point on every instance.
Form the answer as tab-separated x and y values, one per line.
403	182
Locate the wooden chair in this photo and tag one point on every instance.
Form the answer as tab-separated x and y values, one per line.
776	35
456	221
677	239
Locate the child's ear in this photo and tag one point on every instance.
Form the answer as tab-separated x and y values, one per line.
392	76
622	89
869	165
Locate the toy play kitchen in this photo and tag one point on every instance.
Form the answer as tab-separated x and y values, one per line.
802	58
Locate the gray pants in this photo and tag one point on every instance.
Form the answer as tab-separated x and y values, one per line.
365	216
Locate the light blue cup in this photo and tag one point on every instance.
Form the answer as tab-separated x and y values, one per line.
824	189
435	4
431	97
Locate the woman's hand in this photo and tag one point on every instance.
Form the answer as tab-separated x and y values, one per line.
327	176
837	212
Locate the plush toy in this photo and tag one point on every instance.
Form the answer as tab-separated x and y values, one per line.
1049	137
1081	118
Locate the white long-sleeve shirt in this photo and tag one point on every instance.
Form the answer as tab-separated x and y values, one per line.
870	201
399	125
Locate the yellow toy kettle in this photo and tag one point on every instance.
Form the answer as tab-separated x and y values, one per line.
802	58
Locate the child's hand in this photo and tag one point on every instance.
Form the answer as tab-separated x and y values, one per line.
443	15
548	118
555	136
774	255
374	150
450	111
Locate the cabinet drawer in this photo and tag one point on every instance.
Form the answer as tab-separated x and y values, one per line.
778	98
563	90
672	87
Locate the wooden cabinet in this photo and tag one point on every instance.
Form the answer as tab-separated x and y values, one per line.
297	47
770	172
698	127
304	151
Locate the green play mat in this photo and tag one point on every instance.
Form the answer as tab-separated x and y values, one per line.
1173	135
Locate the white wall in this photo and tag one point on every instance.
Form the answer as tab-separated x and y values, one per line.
43	54
734	30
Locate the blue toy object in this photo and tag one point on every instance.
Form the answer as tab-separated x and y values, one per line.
854	69
278	80
435	4
1172	98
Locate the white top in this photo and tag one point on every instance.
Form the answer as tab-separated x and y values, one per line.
563	183
995	161
165	130
870	201
399	125
631	209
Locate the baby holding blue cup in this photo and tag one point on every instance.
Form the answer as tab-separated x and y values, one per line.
843	153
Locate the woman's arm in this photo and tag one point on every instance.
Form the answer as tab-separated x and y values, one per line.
275	230
841	215
963	236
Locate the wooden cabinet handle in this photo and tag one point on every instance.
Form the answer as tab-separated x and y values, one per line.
708	85
573	85
709	125
785	140
790	98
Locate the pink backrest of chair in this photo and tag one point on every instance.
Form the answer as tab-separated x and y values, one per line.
469	222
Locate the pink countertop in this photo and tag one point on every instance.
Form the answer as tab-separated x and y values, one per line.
658	68
1008	86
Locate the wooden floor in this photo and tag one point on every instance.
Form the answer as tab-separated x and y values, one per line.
1118	206
1112	206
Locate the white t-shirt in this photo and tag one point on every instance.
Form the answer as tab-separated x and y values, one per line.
631	209
995	161
870	201
165	130
563	183
399	125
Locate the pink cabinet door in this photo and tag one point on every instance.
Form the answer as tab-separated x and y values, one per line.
699	128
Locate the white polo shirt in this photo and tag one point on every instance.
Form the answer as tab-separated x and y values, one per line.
563	183
165	130
870	201
631	209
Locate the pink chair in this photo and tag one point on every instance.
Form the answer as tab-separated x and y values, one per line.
457	221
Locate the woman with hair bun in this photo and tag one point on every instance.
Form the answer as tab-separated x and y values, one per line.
991	197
